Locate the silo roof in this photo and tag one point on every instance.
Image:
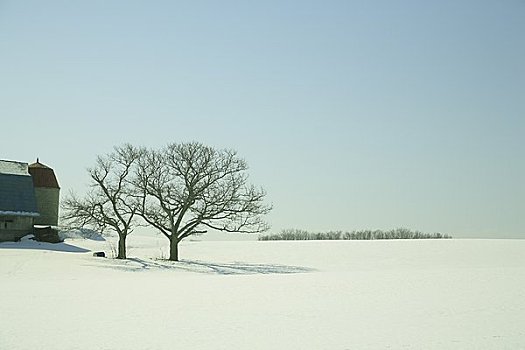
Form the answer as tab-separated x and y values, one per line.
43	176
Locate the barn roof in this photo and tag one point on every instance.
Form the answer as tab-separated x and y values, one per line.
17	195
11	167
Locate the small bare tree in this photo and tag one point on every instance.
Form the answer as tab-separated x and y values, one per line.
188	188
111	202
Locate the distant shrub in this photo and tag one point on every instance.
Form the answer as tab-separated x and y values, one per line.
81	233
303	235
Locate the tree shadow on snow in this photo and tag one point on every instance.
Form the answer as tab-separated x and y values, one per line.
57	247
235	268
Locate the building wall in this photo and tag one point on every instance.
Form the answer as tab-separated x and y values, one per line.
12	228
47	200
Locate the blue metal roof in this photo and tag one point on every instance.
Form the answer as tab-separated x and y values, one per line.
17	195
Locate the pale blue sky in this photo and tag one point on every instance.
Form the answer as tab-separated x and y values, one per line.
351	114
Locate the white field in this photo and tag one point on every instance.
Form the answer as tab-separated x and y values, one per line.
420	294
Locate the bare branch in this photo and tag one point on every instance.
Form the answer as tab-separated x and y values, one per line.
112	202
189	186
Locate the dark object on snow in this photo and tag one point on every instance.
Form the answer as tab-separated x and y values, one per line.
99	254
47	234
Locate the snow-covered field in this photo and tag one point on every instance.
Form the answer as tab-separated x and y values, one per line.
426	294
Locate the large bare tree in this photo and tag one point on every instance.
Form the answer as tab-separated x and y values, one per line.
188	188
111	202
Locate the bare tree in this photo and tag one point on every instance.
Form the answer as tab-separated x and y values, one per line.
188	188
111	202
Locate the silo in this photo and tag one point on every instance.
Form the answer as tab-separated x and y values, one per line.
47	193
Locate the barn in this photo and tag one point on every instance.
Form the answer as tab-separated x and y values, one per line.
29	196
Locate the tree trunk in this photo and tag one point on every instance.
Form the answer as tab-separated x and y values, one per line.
174	249
121	247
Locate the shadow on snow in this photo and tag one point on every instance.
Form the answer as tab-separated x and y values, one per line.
235	268
57	247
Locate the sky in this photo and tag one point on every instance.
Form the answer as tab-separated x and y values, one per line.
351	114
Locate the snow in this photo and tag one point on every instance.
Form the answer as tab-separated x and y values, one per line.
414	294
18	213
14	168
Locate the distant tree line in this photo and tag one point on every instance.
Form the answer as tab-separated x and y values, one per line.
303	235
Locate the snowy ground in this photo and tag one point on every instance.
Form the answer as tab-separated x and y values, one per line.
426	294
